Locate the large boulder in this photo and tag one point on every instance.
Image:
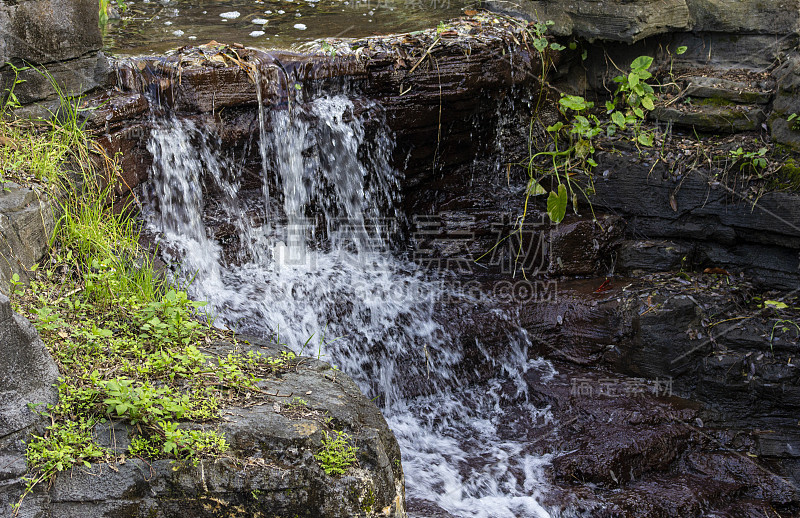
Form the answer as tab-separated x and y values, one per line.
270	469
27	377
61	36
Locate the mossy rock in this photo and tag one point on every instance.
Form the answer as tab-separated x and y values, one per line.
732	118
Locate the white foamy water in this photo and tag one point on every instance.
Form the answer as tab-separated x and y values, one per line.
314	259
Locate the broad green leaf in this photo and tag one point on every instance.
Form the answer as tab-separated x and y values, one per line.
682	49
771	303
647	102
633	79
575	102
642	62
557	204
618	119
645	139
583	148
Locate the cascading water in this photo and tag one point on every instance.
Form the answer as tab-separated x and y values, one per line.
321	267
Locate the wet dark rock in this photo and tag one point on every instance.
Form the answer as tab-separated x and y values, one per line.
269	468
626	447
611	21
717	223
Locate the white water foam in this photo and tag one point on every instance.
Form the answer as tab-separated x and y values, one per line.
321	267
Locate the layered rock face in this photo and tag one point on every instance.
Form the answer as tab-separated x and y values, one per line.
634	20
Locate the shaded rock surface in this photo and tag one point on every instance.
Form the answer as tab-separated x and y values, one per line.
60	35
27	220
638	19
711	223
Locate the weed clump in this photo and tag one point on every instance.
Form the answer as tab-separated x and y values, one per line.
337	454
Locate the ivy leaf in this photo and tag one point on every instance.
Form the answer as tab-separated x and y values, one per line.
645	139
618	119
642	63
557	204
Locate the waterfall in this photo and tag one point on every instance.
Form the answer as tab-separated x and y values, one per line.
314	259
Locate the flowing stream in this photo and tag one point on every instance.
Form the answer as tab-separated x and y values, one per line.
315	263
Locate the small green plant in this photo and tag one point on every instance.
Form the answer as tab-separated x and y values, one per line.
10	101
572	148
795	122
328	49
635	96
753	160
336	455
297	404
105	5
785	326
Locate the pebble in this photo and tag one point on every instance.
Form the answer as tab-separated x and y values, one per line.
259	21
300	26
178	32
256	34
230	15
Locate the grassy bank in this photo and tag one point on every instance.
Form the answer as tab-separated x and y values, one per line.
127	342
